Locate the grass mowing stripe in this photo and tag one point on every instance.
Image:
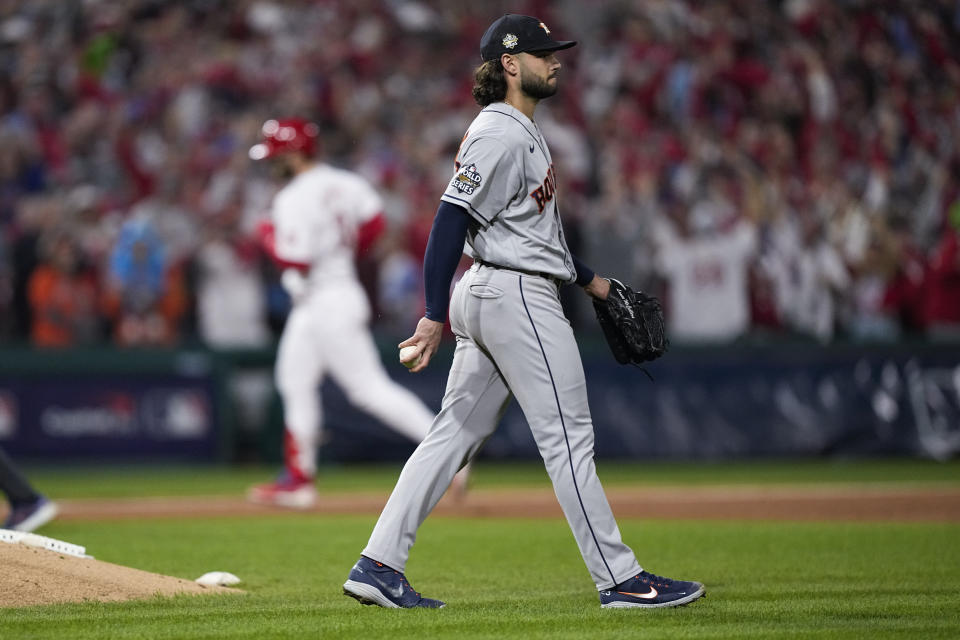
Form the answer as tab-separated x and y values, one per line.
522	579
112	482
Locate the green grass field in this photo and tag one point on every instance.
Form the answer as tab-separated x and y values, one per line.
153	480
519	578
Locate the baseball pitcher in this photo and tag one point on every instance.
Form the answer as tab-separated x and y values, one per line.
513	340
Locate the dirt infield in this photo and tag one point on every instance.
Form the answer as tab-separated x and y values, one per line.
926	504
33	576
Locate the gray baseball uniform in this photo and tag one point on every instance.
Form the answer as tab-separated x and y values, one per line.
512	340
506	181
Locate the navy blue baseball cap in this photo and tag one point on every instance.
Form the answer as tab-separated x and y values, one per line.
514	33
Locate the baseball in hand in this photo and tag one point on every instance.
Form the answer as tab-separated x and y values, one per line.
410	356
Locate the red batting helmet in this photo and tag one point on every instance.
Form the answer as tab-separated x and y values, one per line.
285	136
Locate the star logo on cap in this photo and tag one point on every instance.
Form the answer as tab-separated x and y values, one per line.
510	40
544	27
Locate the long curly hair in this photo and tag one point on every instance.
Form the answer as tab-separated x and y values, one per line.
490	85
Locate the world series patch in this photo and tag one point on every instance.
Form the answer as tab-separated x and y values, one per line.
467	180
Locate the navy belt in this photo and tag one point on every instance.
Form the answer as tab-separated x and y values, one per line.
538	274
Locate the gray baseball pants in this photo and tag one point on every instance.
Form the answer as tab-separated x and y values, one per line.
512	339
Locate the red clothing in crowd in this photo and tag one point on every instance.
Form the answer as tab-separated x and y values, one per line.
943	282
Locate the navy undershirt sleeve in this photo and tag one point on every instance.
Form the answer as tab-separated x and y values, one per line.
584	273
444	250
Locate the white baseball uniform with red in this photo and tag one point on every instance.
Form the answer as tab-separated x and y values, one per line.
316	217
707	278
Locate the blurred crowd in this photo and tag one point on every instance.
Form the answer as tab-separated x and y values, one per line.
768	167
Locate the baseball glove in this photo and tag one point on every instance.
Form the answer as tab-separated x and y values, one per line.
632	323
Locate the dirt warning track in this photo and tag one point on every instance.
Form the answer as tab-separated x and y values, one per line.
914	504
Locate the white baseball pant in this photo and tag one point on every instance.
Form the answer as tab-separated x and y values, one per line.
326	334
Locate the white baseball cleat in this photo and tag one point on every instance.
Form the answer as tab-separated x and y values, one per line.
285	492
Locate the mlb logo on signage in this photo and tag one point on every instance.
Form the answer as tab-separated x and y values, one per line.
177	414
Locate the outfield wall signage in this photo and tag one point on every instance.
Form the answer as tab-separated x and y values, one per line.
109	416
728	403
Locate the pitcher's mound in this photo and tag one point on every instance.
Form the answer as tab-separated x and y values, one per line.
33	576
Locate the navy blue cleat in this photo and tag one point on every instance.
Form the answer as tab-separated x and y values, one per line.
646	590
372	582
30	516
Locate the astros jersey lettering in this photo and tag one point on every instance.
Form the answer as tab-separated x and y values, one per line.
505	179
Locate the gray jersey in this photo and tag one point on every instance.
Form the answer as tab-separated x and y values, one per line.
505	179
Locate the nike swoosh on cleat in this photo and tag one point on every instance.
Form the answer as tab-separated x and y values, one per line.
396	592
646	596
